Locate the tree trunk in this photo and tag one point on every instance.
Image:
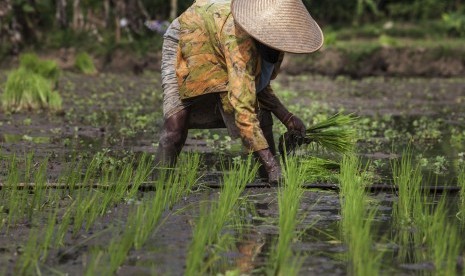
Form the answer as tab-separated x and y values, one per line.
61	14
143	10
174	9
106	8
120	11
77	15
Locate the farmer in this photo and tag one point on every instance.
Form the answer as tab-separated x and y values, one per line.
218	59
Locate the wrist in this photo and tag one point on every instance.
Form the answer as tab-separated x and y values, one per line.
287	118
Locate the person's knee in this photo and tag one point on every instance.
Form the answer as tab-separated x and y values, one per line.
172	137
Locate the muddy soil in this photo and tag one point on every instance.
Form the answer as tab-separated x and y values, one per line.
118	116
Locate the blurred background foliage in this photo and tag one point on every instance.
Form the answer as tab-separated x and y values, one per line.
115	23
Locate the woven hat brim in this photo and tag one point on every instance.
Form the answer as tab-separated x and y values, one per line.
285	25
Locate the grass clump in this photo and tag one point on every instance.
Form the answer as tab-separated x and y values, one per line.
29	91
461	184
336	134
47	69
85	64
443	239
317	169
31	86
407	177
356	219
284	261
215	217
171	186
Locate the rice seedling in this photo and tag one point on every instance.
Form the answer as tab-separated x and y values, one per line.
318	169
48	69
356	220
172	186
407	177
93	264
336	134
283	260
29	260
14	197
461	184
25	90
214	217
39	190
443	239
63	227
39	242
118	181
85	64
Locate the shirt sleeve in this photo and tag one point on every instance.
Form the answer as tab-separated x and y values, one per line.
241	62
171	99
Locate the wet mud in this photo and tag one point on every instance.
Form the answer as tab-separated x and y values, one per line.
118	116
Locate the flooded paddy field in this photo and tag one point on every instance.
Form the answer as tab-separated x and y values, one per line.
105	222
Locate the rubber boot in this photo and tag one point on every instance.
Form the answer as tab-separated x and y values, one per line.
172	139
266	124
271	166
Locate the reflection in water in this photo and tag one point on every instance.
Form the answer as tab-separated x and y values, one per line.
14	138
249	248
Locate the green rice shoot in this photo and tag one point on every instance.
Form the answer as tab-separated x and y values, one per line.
357	219
48	69
27	91
407	177
315	169
85	64
337	134
443	239
215	216
283	260
461	184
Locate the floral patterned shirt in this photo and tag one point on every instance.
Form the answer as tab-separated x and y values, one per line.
217	56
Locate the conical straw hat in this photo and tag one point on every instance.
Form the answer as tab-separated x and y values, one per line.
285	25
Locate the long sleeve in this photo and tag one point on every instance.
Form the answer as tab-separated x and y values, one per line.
171	99
241	62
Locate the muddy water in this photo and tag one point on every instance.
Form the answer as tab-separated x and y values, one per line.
119	116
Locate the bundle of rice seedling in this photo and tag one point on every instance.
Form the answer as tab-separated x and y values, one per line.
85	64
45	68
318	169
29	91
336	134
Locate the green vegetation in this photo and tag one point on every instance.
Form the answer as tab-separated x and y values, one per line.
85	64
215	216
357	219
336	134
31	86
443	240
28	91
315	169
283	260
171	186
407	177
47	69
461	184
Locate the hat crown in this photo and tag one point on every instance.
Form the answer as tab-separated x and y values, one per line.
285	25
